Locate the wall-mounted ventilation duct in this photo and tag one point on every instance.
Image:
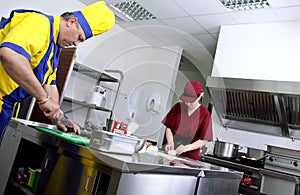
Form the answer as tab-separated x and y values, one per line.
263	106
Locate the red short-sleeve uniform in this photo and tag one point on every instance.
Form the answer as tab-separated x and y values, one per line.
188	129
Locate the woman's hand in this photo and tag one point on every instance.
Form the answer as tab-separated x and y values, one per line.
181	149
169	146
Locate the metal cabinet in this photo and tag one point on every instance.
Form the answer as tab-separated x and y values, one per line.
277	183
61	171
136	184
64	175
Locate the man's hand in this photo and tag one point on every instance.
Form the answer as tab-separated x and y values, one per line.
51	109
68	125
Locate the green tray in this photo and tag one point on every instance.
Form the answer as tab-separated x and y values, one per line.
72	137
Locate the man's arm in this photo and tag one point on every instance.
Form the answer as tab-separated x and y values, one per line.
19	69
53	92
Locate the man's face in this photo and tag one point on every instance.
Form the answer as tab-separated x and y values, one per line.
70	34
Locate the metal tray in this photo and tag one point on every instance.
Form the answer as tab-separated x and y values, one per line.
115	143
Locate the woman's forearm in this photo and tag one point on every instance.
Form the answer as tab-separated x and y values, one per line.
169	136
196	145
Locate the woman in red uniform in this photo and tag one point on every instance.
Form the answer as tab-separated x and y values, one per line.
188	123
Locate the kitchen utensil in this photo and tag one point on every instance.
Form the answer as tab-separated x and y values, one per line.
254	157
72	137
226	150
255	153
253	162
52	129
65	121
96	96
35	124
140	145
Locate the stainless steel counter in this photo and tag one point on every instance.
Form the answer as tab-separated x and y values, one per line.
142	161
113	165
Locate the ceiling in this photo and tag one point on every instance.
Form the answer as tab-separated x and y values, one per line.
194	24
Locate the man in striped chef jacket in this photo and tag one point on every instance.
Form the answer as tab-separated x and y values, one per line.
30	44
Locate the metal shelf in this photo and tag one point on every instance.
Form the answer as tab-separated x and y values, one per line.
99	77
86	105
24	189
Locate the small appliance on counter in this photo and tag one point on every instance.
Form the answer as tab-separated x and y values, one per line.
119	128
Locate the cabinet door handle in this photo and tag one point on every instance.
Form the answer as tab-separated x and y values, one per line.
46	163
86	188
297	189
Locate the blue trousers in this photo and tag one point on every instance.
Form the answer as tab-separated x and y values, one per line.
5	116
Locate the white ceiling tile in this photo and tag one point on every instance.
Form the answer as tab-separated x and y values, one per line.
211	49
138	31
108	1
194	24
254	16
213	22
149	22
291	13
158	30
154	27
199	7
186	24
216	35
283	3
206	39
172	40
87	2
153	40
191	41
163	9
204	42
127	24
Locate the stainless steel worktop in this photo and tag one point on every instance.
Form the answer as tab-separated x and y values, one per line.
91	170
138	162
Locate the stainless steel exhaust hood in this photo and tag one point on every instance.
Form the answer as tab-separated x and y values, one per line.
262	106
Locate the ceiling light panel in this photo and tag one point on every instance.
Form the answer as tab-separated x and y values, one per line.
132	10
235	5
